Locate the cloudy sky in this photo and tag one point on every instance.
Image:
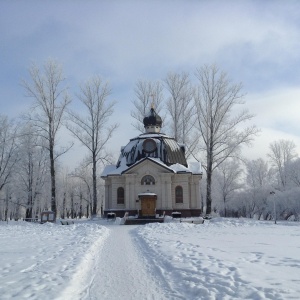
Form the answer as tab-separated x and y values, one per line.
255	42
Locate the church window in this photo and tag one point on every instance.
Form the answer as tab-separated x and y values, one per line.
149	145
178	194
120	195
148	180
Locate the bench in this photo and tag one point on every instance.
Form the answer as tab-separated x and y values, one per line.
176	215
111	216
66	222
200	221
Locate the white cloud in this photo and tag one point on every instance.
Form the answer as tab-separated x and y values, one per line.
256	42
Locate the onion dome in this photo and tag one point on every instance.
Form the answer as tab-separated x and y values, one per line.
152	122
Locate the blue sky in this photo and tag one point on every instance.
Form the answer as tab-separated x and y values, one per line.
255	42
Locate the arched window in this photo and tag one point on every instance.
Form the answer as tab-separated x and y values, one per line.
178	194
148	180
120	195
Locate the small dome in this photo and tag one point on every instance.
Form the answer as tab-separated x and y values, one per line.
152	120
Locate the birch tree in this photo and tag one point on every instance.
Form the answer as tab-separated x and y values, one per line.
219	126
50	96
147	93
92	129
180	108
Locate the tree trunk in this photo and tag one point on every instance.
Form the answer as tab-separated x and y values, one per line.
208	192
225	212
64	206
6	209
72	207
87	210
94	211
52	171
209	173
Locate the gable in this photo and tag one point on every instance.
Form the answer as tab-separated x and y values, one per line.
150	165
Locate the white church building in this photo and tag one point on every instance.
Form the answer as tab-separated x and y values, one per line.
152	177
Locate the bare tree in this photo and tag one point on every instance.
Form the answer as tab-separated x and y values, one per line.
85	186
220	129
32	168
282	153
147	93
259	179
228	177
181	109
294	172
92	130
50	102
8	149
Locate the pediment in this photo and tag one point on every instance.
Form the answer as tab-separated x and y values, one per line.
150	164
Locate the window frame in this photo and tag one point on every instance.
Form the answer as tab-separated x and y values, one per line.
120	195
178	197
145	182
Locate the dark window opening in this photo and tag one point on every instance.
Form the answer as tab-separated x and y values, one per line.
120	196
148	180
178	194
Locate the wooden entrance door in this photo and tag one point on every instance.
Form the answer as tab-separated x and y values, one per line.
148	205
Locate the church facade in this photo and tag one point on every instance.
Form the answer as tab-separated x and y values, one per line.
152	176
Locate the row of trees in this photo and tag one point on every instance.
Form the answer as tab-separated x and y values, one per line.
204	112
261	188
30	150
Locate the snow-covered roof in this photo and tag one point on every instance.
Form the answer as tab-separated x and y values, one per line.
108	169
194	168
155	146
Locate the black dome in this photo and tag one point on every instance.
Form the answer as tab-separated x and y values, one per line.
153	119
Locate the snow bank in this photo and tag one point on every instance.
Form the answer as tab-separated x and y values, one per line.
40	261
226	258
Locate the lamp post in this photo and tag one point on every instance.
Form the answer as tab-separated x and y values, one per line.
272	193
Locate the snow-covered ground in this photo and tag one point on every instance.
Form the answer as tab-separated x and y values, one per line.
220	259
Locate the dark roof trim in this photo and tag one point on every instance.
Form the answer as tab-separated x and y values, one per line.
153	161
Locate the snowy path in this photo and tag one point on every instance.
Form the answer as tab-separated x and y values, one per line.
221	259
123	272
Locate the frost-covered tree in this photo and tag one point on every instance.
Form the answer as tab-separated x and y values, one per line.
84	189
31	170
282	154
46	87
93	129
218	122
147	94
181	110
294	172
228	177
8	149
259	179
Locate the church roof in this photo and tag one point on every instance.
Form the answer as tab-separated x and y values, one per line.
154	145
193	168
